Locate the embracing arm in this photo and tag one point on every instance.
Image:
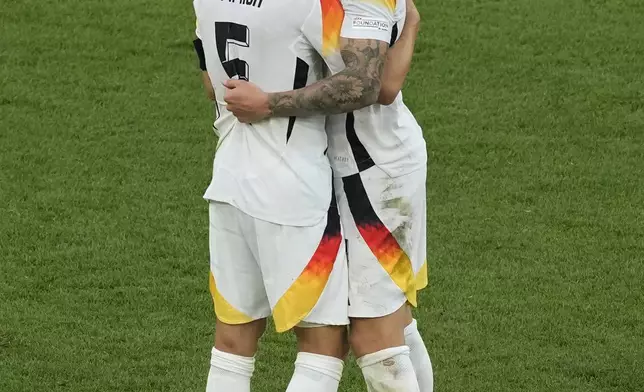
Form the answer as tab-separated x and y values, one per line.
357	86
399	60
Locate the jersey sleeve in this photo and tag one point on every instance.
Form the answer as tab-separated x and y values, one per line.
322	26
369	19
197	32
195	5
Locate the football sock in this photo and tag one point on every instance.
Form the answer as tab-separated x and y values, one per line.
229	372
316	373
389	370
419	358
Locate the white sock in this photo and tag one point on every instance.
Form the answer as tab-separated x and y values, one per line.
316	373
419	358
389	370
229	372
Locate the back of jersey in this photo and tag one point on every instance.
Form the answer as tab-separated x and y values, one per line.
275	170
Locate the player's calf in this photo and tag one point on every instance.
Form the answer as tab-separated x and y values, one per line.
232	362
328	340
419	357
379	344
320	360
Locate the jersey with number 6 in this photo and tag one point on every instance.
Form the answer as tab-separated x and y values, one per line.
275	170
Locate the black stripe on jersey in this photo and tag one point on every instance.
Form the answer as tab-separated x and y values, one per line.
333	225
198	44
394	35
346	252
360	153
360	205
301	78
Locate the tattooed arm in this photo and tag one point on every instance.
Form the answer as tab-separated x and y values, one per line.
357	86
363	38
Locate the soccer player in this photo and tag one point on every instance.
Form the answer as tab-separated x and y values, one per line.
275	235
380	163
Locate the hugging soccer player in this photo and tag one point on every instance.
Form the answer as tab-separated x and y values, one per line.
379	162
275	234
378	240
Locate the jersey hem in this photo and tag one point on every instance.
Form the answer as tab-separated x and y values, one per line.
398	175
264	218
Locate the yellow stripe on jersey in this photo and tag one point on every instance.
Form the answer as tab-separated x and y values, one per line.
223	309
305	292
332	17
389	4
422	278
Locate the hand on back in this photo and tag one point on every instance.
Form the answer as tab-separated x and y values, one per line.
246	101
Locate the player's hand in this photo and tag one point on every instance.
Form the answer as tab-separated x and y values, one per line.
413	16
246	101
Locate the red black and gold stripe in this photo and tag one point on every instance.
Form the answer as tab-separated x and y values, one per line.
380	240
305	292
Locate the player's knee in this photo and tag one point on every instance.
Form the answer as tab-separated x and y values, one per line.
369	335
323	340
364	340
239	339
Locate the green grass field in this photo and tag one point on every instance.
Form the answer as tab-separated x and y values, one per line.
534	117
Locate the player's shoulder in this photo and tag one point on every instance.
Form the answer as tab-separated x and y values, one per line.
291	7
290	11
390	5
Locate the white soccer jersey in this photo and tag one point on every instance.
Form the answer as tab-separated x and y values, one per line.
386	136
275	170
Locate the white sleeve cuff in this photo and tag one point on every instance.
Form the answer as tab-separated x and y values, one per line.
358	27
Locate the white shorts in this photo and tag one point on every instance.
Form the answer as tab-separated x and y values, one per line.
385	223
258	268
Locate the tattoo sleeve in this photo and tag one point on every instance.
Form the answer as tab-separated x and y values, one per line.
357	86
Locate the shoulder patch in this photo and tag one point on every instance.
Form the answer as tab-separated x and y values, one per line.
370	24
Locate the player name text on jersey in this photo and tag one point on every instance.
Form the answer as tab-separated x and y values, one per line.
253	3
